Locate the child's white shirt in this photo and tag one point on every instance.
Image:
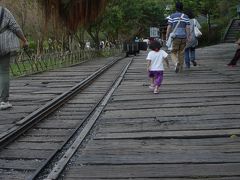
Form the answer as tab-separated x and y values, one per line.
157	59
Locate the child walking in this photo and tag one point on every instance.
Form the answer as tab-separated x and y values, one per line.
155	65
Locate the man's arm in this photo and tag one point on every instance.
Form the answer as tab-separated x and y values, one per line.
168	31
21	36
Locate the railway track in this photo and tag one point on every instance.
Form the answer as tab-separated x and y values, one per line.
44	136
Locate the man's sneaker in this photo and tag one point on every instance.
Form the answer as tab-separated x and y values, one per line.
194	63
5	105
177	68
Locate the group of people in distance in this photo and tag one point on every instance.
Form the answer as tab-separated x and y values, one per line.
183	47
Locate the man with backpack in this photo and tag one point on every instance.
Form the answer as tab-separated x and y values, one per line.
179	22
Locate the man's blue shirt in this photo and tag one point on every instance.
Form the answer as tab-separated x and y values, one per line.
181	29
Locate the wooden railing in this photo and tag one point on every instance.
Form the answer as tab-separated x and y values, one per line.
26	64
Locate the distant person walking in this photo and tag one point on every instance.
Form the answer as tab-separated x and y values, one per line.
182	34
236	56
10	31
189	54
155	66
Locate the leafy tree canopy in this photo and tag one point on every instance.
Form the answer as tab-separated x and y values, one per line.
130	18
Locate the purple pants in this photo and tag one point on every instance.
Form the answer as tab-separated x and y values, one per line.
157	76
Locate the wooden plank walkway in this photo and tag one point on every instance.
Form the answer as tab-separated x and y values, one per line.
191	130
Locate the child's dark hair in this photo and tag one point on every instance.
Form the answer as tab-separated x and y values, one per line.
155	45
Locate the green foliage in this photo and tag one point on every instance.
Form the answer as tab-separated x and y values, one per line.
32	45
216	8
219	13
121	20
129	18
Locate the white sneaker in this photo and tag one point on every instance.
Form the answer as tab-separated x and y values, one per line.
156	91
151	87
5	105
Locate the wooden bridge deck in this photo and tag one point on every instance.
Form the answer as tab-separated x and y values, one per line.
191	130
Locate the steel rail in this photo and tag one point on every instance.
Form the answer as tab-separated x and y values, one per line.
91	119
29	121
70	138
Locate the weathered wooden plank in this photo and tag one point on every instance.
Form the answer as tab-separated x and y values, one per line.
160	144
42	138
63	124
194	157
155	124
165	119
138	113
16	153
50	132
67	113
64	117
127	146
175	95
156	171
209	178
169	134
35	146
77	108
173	103
14	175
11	116
104	151
20	165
